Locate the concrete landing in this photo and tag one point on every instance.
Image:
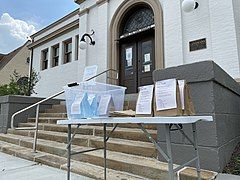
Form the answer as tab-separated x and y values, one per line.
12	168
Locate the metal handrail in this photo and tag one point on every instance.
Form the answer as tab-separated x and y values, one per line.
37	105
31	106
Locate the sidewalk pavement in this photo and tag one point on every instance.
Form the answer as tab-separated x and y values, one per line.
14	168
227	177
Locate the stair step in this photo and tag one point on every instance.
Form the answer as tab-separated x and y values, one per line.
122	133
85	169
59	115
129	125
142	166
151	168
57	109
52	119
63	103
140	148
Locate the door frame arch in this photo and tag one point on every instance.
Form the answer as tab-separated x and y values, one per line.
114	55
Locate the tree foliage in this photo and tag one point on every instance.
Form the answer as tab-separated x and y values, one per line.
20	85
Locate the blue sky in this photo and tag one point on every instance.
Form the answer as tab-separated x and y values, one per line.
31	15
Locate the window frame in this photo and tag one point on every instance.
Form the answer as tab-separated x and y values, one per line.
77	47
139	18
55	56
44	59
67	53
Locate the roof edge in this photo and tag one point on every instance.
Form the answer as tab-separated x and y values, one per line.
79	1
8	57
73	13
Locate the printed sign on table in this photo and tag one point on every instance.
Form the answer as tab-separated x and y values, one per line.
165	92
144	102
75	108
104	104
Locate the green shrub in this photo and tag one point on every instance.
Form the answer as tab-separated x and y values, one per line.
20	85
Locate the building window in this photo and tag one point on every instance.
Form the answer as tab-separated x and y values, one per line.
45	59
55	55
77	44
137	19
68	51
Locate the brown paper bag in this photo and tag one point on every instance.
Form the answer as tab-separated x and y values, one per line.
129	105
189	107
170	112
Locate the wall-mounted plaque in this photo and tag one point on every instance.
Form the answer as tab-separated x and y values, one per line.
198	44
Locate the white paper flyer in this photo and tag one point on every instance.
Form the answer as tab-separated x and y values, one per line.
75	108
165	94
144	102
104	104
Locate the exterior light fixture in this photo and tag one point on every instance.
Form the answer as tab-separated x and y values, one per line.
189	5
83	43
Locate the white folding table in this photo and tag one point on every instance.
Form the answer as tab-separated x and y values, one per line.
169	123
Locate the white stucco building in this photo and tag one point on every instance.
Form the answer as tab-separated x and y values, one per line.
136	37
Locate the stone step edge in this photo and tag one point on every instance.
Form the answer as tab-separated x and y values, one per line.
46	159
190	172
52	120
83	136
120	133
114	158
43	114
136	130
139	148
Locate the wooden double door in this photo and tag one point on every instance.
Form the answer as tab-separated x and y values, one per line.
137	62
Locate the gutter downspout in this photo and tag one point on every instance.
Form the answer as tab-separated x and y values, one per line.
30	70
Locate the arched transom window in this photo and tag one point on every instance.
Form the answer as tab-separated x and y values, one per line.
136	19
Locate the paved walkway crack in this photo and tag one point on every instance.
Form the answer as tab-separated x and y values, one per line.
14	169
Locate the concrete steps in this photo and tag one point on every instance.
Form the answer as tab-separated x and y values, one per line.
140	148
151	168
54	117
85	169
57	109
122	133
129	153
142	167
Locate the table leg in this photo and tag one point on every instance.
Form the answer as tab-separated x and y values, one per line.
195	139
169	152
69	153
105	151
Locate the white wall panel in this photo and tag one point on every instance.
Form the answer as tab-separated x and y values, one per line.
217	21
